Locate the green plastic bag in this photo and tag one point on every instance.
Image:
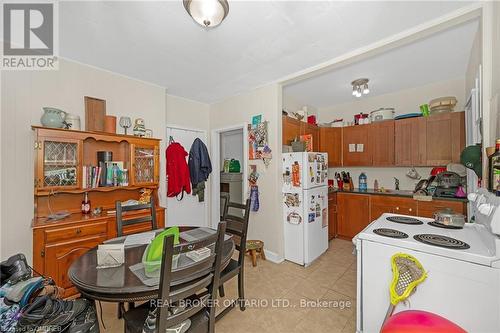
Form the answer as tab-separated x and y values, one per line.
153	253
234	166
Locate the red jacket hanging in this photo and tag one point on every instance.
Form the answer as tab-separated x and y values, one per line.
177	170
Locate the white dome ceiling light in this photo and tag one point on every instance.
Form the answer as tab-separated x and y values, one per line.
360	87
207	13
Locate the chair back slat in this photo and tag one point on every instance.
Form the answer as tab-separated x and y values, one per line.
137	220
121	222
210	280
224	201
238	227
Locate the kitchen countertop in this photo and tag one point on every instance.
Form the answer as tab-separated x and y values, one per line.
400	193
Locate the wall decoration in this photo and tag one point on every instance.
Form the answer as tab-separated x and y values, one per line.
256	119
257	140
254	189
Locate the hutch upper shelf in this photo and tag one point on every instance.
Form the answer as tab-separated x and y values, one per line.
61	155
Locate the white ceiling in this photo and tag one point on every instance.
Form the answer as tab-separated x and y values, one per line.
259	42
440	57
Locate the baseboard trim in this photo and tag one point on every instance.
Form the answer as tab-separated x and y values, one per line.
273	257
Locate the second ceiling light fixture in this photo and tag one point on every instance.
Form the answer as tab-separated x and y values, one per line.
360	87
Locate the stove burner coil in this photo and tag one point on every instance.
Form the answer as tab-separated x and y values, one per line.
404	220
392	233
444	226
441	241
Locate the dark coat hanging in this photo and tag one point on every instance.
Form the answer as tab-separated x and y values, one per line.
199	163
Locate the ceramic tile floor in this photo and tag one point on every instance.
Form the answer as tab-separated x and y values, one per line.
287	298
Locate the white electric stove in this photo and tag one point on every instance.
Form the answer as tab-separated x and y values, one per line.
463	266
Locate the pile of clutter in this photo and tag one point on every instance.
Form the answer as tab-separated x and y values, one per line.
34	303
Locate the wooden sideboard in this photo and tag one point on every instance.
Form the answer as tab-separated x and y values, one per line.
60	158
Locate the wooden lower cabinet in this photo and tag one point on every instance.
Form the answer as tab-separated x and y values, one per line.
428	208
332	215
60	256
380	204
57	245
353	214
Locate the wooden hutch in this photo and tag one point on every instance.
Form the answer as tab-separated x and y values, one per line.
60	157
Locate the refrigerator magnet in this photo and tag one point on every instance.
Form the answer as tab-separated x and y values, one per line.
312	217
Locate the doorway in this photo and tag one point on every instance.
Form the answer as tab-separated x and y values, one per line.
188	211
229	147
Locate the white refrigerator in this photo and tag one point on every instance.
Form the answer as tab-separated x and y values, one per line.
305	206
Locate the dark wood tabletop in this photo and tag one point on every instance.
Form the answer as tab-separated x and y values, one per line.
120	284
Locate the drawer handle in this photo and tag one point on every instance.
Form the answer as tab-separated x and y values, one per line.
397	208
410	210
78	231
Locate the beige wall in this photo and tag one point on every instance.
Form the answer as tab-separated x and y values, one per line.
495	84
187	113
475	60
404	101
266	224
23	95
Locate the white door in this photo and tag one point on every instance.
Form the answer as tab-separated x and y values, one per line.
188	211
316	223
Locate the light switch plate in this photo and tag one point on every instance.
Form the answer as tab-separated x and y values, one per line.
352	147
360	147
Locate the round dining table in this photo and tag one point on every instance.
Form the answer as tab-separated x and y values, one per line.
121	284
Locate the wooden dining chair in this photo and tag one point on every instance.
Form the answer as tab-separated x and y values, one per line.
200	288
238	227
121	222
224	201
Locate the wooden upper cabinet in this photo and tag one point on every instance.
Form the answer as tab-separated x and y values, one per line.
58	163
356	136
382	140
145	164
330	141
410	142
445	138
291	129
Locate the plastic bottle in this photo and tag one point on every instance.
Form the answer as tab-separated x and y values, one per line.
363	186
116	172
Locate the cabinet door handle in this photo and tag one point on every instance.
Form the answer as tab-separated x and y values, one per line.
410	210
78	231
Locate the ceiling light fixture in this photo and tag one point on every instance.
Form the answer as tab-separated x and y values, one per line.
360	87
207	13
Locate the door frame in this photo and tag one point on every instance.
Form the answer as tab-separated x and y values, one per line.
215	185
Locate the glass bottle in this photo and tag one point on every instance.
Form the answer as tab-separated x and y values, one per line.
86	204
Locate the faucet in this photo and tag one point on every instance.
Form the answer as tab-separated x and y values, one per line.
396	183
